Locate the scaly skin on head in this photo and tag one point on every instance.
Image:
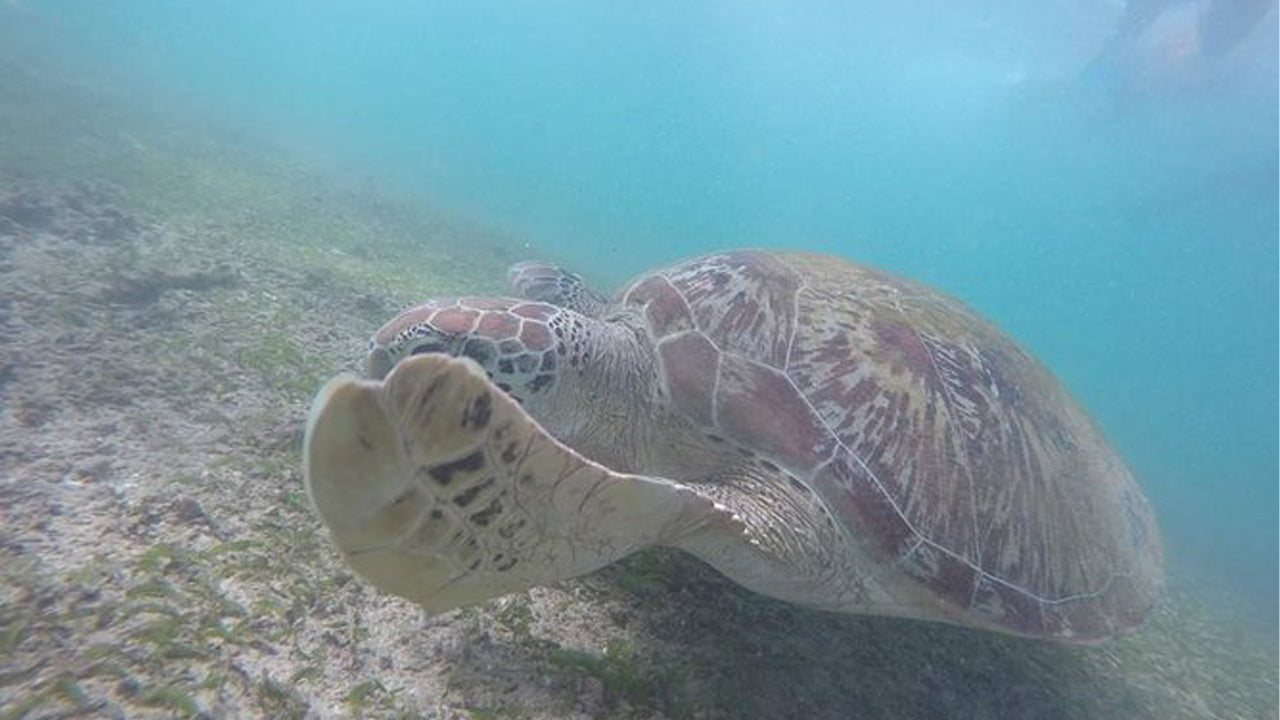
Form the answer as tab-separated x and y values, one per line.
575	374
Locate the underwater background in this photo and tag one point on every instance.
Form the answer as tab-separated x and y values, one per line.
1103	187
1120	221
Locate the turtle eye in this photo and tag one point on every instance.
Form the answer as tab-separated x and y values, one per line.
481	350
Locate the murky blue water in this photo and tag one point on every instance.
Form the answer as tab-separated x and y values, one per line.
1119	215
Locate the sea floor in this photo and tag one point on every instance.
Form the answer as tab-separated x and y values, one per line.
171	296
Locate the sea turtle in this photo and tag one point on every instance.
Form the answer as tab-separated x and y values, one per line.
817	430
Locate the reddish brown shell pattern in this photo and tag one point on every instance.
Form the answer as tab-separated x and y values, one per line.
945	449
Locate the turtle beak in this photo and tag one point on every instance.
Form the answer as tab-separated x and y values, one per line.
378	364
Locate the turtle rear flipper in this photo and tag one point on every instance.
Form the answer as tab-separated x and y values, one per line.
553	284
439	488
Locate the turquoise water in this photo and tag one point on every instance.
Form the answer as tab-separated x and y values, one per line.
1120	218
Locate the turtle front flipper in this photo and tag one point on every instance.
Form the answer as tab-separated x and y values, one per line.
553	284
439	488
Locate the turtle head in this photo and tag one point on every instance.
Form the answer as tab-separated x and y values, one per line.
582	378
519	343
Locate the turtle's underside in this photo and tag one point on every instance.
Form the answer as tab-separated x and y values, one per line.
817	430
